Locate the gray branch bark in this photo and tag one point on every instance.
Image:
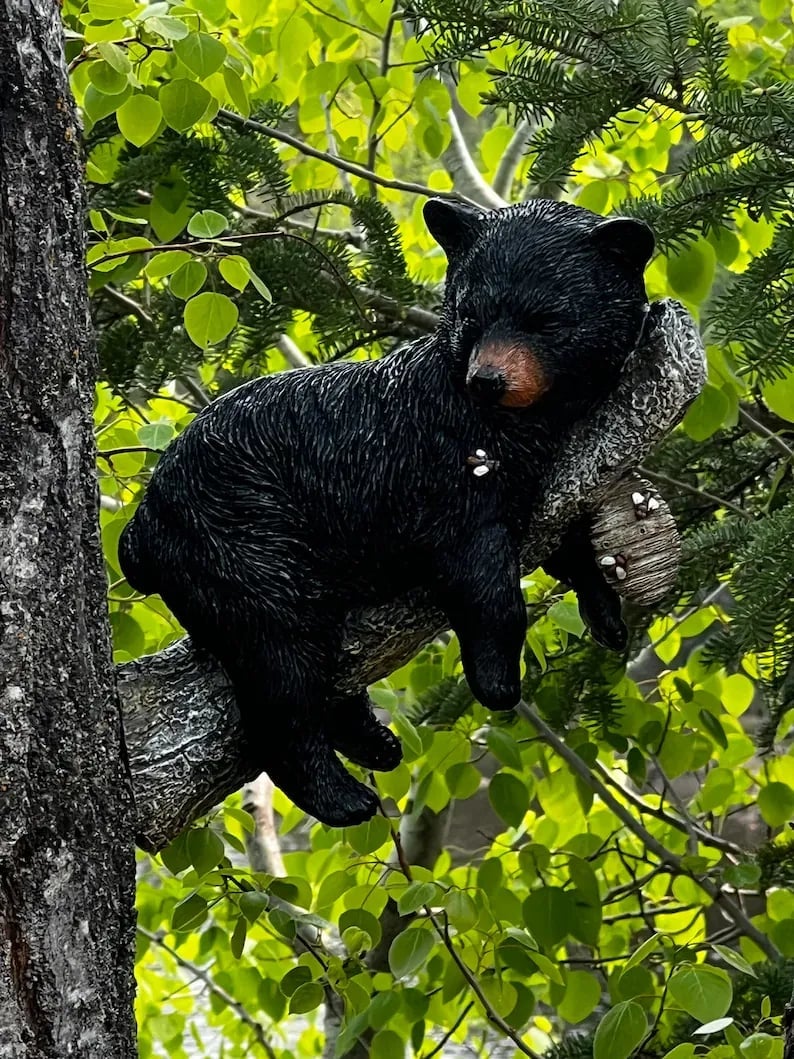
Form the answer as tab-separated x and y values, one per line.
180	720
67	917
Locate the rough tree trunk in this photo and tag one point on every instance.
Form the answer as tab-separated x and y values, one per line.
66	846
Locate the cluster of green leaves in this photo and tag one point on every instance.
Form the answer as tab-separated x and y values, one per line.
223	233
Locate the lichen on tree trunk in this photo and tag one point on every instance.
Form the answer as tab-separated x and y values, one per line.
66	842
186	751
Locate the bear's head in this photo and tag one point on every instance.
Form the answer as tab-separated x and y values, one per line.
544	300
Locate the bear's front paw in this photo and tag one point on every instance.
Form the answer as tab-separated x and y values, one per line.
347	808
498	696
378	749
355	731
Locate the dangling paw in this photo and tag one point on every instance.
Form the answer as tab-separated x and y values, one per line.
355	731
313	777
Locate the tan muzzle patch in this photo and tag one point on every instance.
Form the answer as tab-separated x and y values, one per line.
524	378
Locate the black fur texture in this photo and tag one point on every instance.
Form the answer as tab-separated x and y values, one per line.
301	495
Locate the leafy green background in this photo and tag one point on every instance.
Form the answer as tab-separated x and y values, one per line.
255	176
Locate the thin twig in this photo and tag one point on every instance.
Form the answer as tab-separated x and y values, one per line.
443	933
694	490
684	823
652	844
508	163
764	431
243	1015
450	1031
340	163
108	454
128	303
474	985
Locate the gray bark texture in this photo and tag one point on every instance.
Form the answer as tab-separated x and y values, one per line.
181	724
67	917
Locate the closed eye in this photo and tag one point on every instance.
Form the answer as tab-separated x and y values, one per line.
543	323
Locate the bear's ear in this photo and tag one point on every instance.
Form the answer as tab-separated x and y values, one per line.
453	225
628	239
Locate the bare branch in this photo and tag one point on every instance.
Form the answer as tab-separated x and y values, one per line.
514	152
339	163
204	976
466	177
293	356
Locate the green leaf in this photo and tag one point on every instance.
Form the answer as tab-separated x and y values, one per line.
779	396
620	1031
209	318
463	780
205	849
165	263
139	118
415	896
168	27
188	279
504	748
461	910
237	92
706	415
383	1008
183	103
409	737
237	941
744	875
264	292
106	79
201	53
776	803
566	615
648	946
235	270
175	856
155	435
691	272
386	1044
582	994
97	105
369	836
253	904
293	888
243	818
712	725
636	766
509	797
189	914
306	997
703	992
545	965
735	959
114	56
716	1026
295	978
362	920
409	951
759	1046
548	914
207	224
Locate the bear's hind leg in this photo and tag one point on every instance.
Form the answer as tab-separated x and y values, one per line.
283	703
356	732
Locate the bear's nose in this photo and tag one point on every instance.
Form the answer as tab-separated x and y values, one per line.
486	383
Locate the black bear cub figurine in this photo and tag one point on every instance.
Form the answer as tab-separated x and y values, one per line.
299	496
